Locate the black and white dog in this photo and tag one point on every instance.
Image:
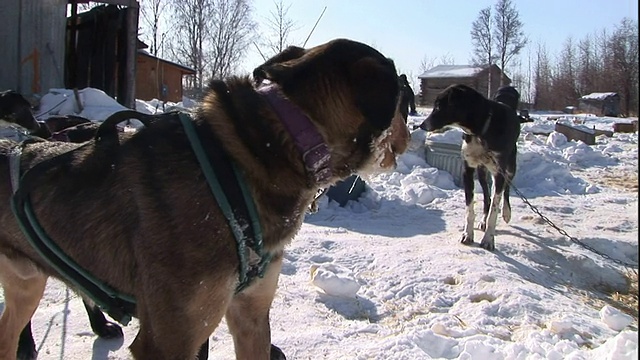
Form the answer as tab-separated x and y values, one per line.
491	130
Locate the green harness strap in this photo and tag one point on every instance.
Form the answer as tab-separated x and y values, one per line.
257	246
118	305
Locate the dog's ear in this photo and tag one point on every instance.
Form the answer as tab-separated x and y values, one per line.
376	90
274	69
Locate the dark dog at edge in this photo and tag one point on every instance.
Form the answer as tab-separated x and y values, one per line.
491	130
155	230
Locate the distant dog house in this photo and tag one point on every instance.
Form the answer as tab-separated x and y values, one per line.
436	79
600	104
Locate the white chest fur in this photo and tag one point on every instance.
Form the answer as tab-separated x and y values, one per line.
475	154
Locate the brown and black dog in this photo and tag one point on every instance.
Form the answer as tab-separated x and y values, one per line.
151	227
16	109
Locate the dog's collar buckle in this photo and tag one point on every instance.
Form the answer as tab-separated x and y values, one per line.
316	161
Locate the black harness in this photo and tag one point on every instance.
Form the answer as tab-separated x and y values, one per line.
224	178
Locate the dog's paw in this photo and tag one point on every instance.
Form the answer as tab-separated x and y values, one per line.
467	238
276	353
109	330
488	242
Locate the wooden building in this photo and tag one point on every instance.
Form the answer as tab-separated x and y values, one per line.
158	78
33	45
600	104
100	50
436	79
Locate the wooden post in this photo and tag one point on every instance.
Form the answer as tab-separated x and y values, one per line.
132	53
73	56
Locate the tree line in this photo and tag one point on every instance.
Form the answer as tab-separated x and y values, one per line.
211	36
602	62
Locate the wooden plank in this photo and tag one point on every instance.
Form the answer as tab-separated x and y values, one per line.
573	133
625	127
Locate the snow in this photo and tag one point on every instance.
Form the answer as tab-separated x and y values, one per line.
614	318
385	277
442	71
598	96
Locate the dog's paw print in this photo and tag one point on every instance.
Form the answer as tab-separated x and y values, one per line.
487	278
328	244
452	280
476	298
321	259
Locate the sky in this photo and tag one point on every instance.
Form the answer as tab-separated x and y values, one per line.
411	30
385	278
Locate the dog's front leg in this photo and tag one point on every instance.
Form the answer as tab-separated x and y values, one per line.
248	317
467	178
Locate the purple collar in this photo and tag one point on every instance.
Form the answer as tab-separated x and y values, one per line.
310	144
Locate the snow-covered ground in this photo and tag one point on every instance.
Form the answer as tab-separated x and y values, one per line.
386	278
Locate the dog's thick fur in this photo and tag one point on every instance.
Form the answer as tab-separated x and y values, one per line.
491	131
150	226
15	109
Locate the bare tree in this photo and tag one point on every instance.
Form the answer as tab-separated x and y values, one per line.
564	81
232	34
427	63
152	12
510	39
624	50
446	59
586	70
542	80
192	29
279	27
482	42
